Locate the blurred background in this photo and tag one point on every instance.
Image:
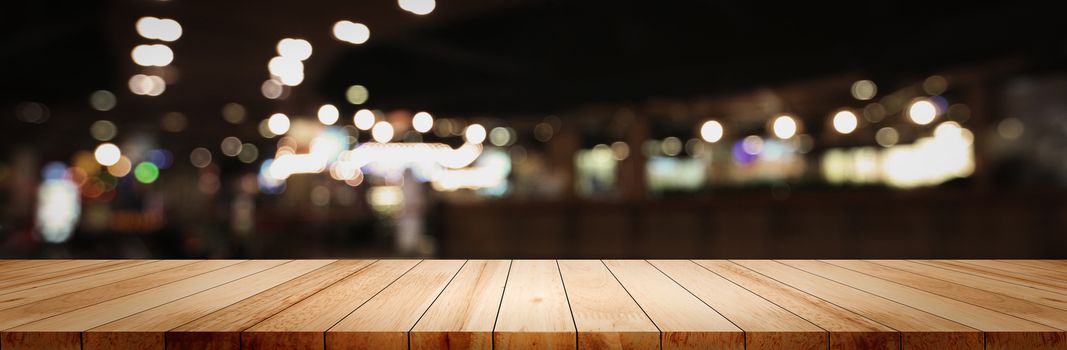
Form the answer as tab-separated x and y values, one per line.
532	128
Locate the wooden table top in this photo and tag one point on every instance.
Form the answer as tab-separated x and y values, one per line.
533	304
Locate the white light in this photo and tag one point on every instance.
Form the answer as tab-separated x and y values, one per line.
364	119
422	122
351	32
382	132
157	55
107	154
278	124
948	130
845	122
784	127
290	71
922	112
711	131
328	114
418	7
298	49
159	28
272	89
475	134
752	144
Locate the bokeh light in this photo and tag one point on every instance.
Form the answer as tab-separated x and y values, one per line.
200	157
158	28
278	123
328	114
102	100
298	49
382	132
845	122
351	32
711	131
155	55
784	127
103	130
887	137
357	94
364	119
146	172
107	154
422	122
474	134
922	112
864	90
418	7
233	113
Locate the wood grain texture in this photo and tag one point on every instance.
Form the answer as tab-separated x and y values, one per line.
31	295
221	330
605	315
26	279
83	319
303	326
384	321
534	312
27	313
1039	296
919	329
766	325
1007	276
1057	275
464	314
15	265
847	329
145	330
999	328
684	320
1055	265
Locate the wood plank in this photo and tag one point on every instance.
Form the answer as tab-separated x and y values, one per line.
766	325
80	320
15	265
464	314
32	295
605	315
29	278
303	326
145	330
1002	331
221	330
919	329
1055	265
383	322
534	313
847	329
27	313
47	280
1039	296
1023	309
1006	276
684	320
1058	276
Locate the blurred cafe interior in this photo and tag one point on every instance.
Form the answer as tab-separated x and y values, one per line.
532	129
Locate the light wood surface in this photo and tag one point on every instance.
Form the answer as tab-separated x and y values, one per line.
303	325
464	314
384	321
685	321
999	328
533	304
605	315
221	330
766	325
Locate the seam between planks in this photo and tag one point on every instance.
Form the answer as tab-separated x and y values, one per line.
983	276
492	336
570	309
769	301
120	296
900	335
47	262
408	333
635	302
369	299
78	277
948	297
744	334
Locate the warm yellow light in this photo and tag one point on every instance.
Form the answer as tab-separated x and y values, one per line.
422	122
278	124
922	112
886	137
351	32
418	7
107	154
475	134
298	49
328	114
382	132
711	131
784	127
364	119
864	90
845	122
157	55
